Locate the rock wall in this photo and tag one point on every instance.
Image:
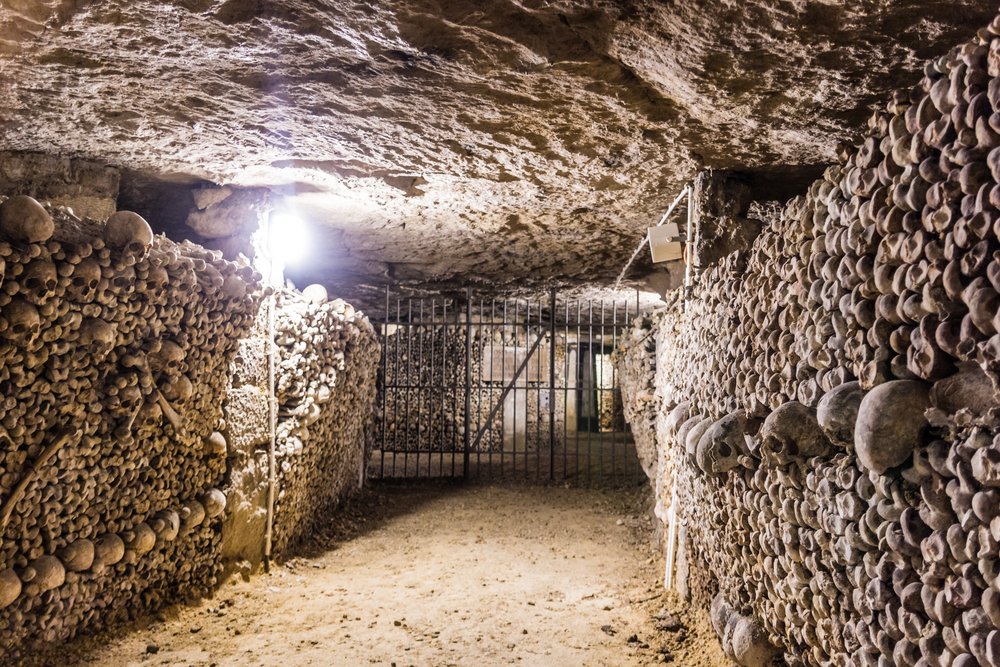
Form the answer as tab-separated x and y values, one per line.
828	403
114	354
329	356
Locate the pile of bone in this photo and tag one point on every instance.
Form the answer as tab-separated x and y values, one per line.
114	349
843	532
635	366
425	401
880	286
885	269
328	359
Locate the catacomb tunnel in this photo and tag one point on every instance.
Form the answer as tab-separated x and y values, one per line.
573	332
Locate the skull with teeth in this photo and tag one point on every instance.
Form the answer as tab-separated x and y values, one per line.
84	280
792	432
39	279
23	321
720	447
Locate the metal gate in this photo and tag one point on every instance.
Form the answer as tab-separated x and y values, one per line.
479	388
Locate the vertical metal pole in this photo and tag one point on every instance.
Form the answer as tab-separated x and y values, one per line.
591	394
420	387
467	438
578	388
400	384
493	396
515	327
409	386
614	388
444	380
503	374
272	409
478	377
565	429
601	397
552	389
385	383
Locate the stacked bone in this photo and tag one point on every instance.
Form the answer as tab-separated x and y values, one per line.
425	374
635	361
114	349
798	385
329	356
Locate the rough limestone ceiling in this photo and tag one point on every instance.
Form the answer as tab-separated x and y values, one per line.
482	138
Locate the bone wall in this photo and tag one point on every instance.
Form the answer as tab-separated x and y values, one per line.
827	400
114	354
425	399
329	356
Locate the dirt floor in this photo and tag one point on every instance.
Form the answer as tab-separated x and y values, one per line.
441	575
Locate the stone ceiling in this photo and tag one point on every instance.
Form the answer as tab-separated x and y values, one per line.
502	142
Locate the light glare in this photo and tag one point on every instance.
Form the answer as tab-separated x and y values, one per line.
289	238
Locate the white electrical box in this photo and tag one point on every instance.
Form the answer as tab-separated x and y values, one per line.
664	243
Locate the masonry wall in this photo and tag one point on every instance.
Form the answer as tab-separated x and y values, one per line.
826	402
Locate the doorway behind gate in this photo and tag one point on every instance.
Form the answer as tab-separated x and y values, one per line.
485	388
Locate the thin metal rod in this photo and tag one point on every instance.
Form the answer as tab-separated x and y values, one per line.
565	428
385	382
492	379
645	239
409	380
503	374
601	397
614	385
517	345
468	384
592	396
420	386
272	419
552	391
396	376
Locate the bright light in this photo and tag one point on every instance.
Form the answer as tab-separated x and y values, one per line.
289	238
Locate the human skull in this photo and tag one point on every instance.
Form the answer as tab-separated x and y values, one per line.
192	515
39	279
24	220
84	280
214	502
44	573
128	232
10	587
890	423
97	336
791	432
23	321
141	539
166	524
78	556
168	357
837	412
108	550
722	444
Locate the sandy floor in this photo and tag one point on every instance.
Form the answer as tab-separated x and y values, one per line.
441	575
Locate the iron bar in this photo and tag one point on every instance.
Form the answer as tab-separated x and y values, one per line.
385	384
552	392
468	383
